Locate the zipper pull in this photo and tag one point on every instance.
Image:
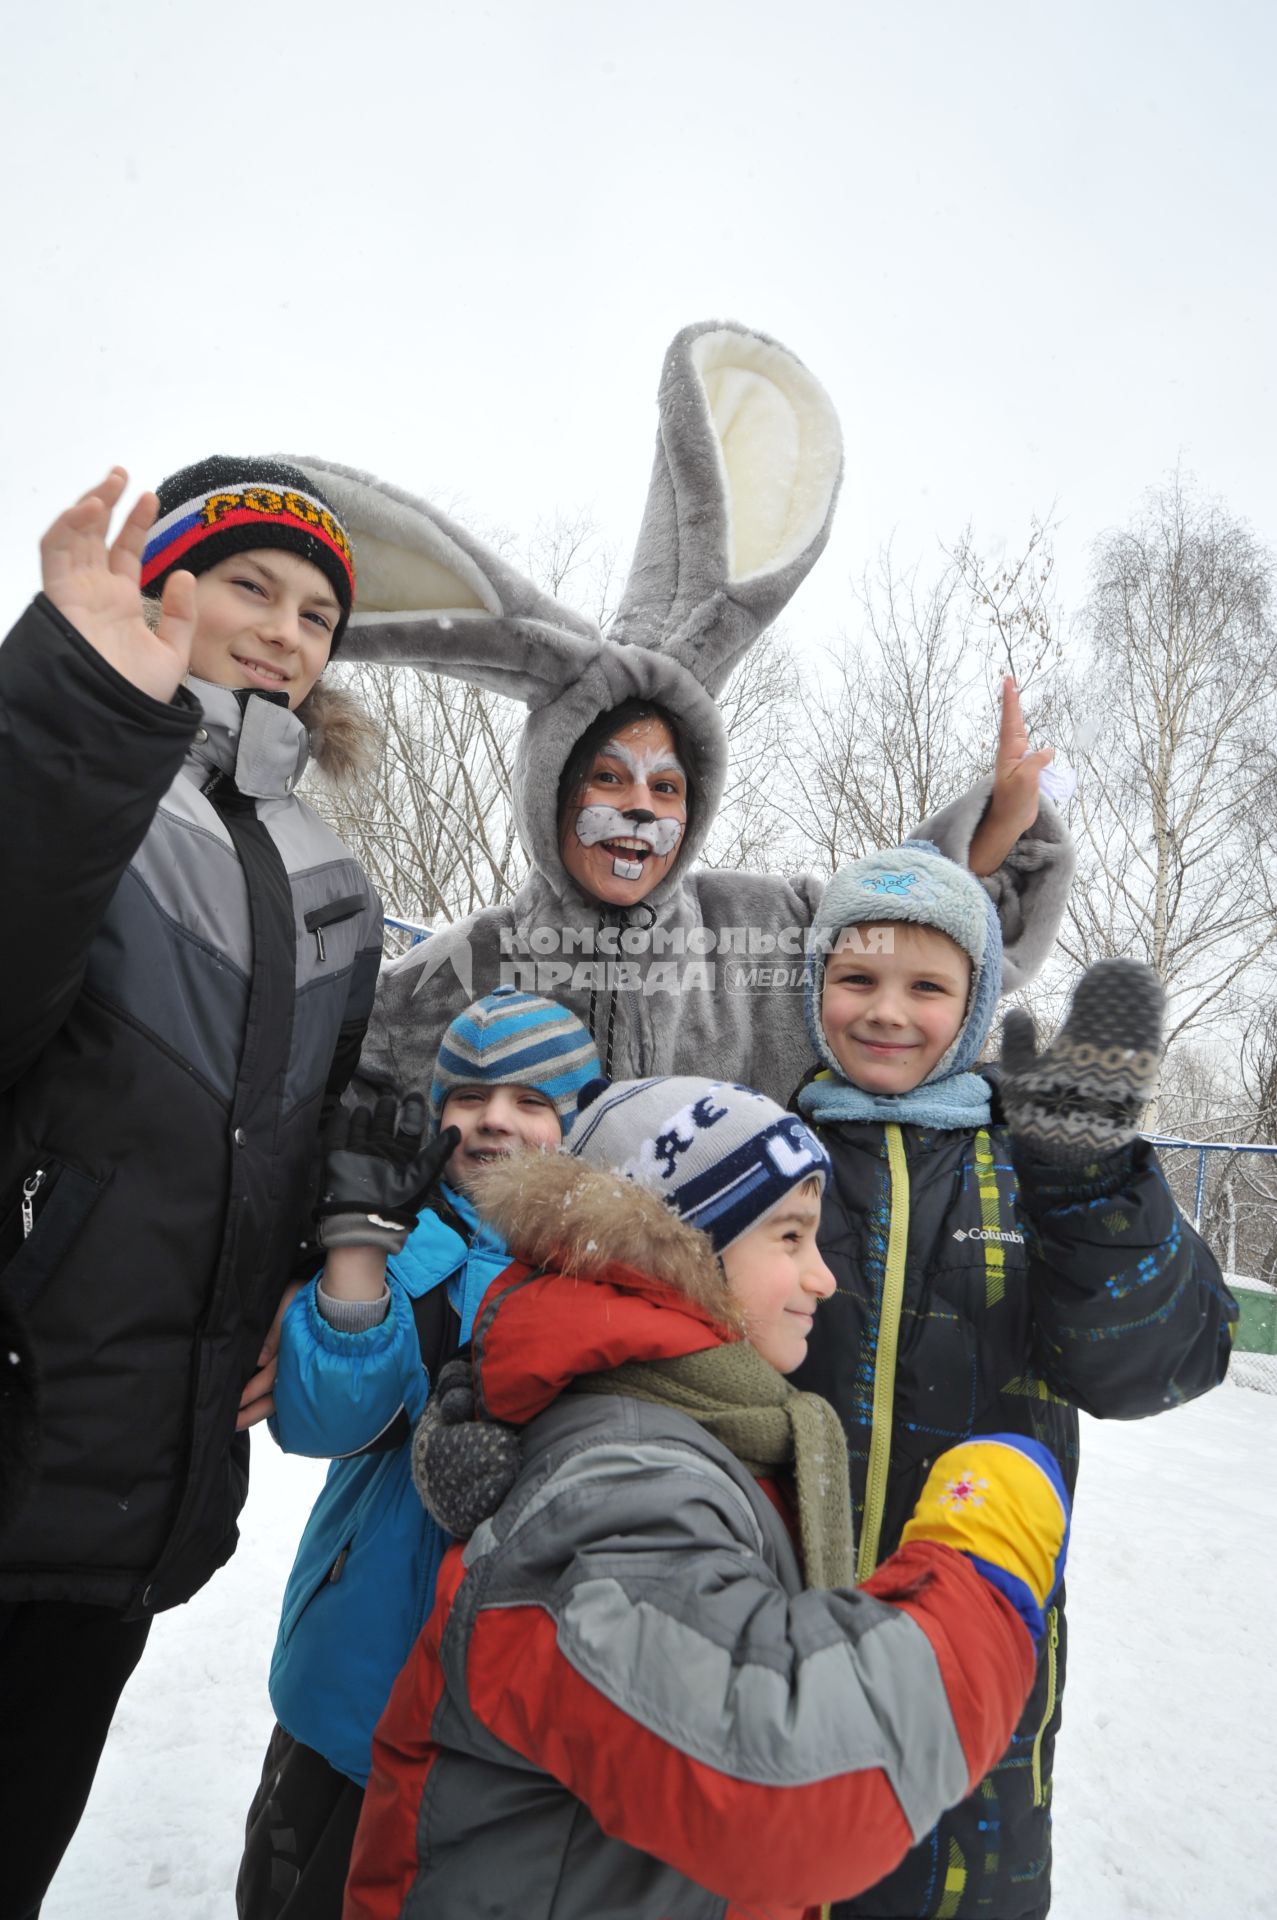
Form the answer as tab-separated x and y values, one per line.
339	1566
319	944
30	1187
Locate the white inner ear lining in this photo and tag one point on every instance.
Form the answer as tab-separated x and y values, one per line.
404	562
779	447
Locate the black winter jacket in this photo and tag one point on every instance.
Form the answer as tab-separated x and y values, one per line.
1009	1297
186	976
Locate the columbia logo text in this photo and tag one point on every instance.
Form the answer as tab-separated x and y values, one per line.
1009	1238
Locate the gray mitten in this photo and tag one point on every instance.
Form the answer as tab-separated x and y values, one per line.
1083	1096
463	1467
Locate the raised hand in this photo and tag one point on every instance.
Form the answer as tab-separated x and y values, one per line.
95	587
379	1171
1082	1097
1013	804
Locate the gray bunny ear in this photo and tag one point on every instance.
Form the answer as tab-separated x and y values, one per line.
748	463
430	594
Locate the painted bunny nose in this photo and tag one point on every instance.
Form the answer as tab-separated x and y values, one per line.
639	815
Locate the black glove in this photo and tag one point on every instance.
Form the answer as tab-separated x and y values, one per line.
378	1174
463	1467
1082	1098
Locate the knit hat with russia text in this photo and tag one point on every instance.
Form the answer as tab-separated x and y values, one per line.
227	504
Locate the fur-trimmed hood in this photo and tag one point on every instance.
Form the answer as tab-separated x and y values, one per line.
553	1210
604	1273
345	741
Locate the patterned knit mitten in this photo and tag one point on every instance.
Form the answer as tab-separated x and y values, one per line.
1082	1097
463	1467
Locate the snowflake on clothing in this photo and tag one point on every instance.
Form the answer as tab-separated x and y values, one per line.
965	1491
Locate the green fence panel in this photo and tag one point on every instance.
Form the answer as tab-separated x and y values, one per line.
1257	1327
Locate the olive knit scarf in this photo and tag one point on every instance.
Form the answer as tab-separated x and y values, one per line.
752	1410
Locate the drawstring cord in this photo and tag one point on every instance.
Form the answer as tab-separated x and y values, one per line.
622	920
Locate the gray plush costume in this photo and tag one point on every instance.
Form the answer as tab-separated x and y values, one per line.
703	976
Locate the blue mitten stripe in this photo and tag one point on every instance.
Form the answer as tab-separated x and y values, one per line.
1015	1591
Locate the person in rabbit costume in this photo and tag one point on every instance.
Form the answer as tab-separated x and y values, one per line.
622	761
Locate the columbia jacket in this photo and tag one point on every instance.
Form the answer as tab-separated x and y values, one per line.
188	967
364	1578
624	1702
975	1298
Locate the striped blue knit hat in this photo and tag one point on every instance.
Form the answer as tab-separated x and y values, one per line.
914	883
720	1156
511	1038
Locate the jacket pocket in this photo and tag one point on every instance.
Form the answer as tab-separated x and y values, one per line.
331	914
309	1591
52	1205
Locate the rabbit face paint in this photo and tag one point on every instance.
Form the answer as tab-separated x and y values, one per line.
623	827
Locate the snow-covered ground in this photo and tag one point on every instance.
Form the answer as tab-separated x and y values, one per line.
1166	1791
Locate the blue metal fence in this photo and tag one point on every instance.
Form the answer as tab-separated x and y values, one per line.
413	928
1201	1148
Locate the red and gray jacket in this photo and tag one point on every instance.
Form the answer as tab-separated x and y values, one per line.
625	1702
188	966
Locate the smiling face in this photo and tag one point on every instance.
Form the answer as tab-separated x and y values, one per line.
494	1121
894	1001
777	1276
620	831
264	619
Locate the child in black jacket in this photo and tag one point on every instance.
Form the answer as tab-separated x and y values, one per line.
1006	1252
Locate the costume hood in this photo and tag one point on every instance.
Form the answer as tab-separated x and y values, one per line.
748	464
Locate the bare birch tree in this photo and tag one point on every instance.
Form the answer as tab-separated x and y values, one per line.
904	716
432	823
1173	716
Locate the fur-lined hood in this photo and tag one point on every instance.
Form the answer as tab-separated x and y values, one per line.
552	1210
345	741
614	1276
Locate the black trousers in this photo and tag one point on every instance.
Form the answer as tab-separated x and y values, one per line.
63	1667
298	1836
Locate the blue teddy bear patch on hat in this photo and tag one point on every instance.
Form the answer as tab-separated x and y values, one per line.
891	883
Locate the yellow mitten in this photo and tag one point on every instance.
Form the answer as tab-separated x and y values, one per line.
1000	1500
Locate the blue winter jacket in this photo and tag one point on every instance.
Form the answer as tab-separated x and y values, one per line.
363	1580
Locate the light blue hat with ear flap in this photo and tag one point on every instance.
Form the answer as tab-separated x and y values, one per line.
916	885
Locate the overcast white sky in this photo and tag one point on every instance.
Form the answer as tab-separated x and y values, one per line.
1027	247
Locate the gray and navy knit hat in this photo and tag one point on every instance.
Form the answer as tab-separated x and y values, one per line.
720	1156
913	883
229	504
511	1038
